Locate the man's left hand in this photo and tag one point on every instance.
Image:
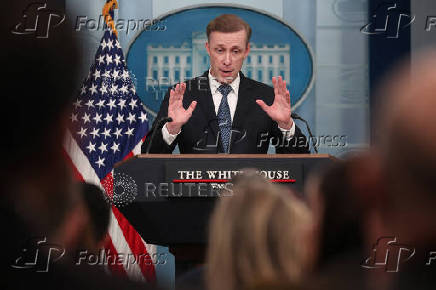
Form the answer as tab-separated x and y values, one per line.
280	110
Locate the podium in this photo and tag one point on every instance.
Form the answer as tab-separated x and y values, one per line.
169	198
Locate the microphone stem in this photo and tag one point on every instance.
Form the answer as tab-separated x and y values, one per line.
296	116
159	125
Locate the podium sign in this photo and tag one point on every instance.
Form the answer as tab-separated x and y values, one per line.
175	194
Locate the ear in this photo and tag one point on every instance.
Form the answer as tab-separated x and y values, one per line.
207	47
247	50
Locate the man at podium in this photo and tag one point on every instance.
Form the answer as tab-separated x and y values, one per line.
223	111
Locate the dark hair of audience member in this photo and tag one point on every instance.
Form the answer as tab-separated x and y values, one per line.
39	198
37	88
340	214
99	211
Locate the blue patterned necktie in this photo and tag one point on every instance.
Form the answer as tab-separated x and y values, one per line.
224	117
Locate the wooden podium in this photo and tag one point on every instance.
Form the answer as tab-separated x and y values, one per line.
173	195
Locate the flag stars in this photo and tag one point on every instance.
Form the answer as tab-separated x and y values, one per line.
90	104
103	44
120	118
96	74
107	74
129	131
77	103
115	147
117	59
122	104
133	104
108	118
93	89
82	132
95	133
124	89
102	147
106	133
125	75
85	118
116	74
103	89
107	99
110	45
143	117
97	118
90	147
117	132
73	118
111	104
100	103
100	59
100	162
131	118
114	89
108	59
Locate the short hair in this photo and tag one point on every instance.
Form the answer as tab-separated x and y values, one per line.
228	23
255	235
341	229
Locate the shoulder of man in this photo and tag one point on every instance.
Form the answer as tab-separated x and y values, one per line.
261	88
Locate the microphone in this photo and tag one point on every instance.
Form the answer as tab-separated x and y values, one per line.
159	124
297	117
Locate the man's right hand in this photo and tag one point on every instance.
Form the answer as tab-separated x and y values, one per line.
176	111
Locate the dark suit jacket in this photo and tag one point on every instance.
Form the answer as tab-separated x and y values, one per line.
252	128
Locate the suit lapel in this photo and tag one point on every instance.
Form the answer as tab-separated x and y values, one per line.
243	105
205	102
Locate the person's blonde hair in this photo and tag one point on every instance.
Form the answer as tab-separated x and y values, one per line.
256	235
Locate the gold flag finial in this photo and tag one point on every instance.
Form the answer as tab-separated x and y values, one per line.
107	13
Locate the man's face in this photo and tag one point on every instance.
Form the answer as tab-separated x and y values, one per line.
227	51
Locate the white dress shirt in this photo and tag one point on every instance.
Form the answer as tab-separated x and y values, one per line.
232	99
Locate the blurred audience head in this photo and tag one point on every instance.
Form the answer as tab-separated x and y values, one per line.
336	209
38	191
403	163
38	86
99	210
42	210
256	236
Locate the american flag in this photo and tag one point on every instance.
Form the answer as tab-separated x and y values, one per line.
108	124
108	119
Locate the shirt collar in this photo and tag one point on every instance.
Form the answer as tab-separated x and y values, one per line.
215	84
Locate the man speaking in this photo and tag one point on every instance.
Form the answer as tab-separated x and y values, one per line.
223	111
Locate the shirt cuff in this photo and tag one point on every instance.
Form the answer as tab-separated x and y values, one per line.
168	138
289	133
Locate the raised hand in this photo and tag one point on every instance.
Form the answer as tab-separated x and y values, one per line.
280	110
176	111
